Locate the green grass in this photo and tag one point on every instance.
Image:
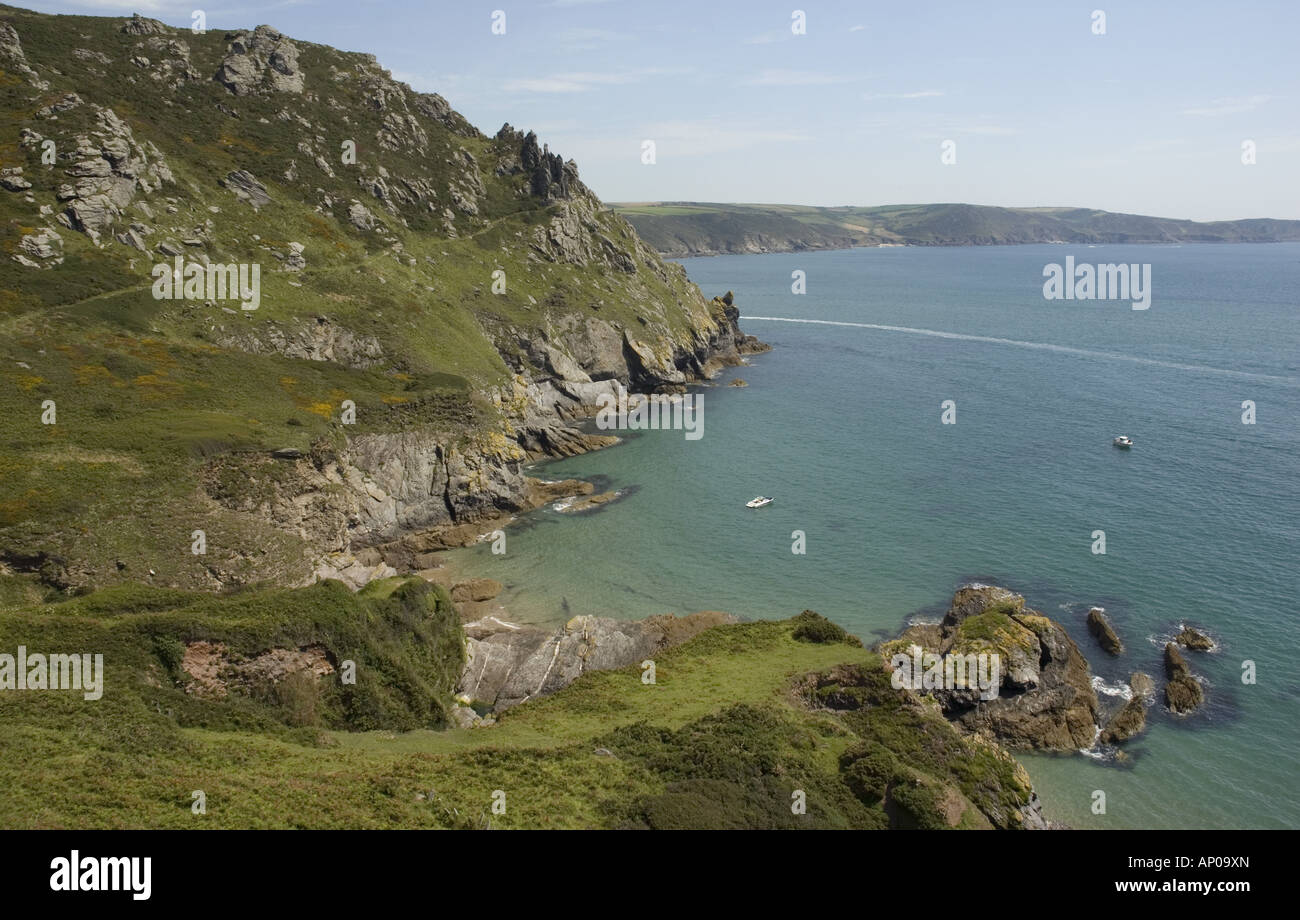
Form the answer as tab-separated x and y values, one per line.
166	412
724	738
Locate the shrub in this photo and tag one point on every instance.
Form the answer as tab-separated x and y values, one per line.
869	770
813	627
919	806
171	652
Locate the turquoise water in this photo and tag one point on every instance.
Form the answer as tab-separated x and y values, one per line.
842	425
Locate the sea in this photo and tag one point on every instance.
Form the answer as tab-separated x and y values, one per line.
927	418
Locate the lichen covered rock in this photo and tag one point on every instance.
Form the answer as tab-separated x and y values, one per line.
1044	696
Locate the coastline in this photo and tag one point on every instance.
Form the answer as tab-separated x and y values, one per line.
676	254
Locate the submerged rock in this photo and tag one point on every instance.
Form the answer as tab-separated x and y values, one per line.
1194	639
476	590
590	503
1142	684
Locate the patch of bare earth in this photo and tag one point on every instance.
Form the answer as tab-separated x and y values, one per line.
213	671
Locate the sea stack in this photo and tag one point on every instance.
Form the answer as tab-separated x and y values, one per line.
1102	631
1182	692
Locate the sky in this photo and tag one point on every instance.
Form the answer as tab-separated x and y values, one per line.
1149	117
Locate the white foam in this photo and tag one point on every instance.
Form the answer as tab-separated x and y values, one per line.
1040	346
1121	690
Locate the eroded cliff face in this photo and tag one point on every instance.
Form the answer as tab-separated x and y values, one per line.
508	664
467	295
380	503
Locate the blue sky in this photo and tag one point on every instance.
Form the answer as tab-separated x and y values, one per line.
1148	118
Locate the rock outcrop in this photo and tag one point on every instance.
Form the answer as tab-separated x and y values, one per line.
1044	698
508	664
244	185
1132	716
590	503
139	25
41	249
12	55
318	339
1100	629
108	168
475	590
260	61
1194	639
1183	692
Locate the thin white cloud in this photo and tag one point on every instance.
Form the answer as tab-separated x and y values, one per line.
796	78
130	6
856	28
545	85
767	38
581	81
582	38
1233	106
176	13
932	126
441	83
551	128
920	94
987	130
677	139
1280	145
1159	145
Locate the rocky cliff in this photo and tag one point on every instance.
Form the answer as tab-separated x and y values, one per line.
315	316
508	664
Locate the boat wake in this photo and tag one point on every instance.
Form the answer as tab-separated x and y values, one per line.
1039	346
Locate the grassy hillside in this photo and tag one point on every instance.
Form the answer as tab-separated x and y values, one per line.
412	281
739	718
690	228
450	287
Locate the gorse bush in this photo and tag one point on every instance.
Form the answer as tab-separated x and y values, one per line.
813	627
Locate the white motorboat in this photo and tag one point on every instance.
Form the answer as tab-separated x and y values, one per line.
1123	441
759	502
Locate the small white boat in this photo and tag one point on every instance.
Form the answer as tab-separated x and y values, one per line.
759	502
1123	441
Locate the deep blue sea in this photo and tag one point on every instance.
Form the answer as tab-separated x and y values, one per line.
842	425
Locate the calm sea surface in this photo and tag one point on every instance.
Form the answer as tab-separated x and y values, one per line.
842	425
